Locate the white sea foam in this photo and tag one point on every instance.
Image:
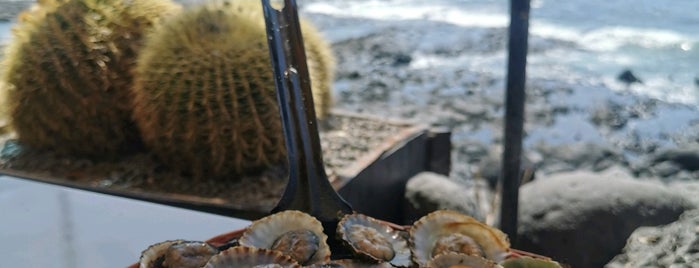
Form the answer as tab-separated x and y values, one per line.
599	39
615	37
658	87
380	10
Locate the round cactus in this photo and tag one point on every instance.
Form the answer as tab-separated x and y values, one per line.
68	73
204	94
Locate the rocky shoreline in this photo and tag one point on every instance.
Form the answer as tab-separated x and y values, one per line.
402	69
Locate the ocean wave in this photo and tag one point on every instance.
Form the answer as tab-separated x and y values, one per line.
598	39
616	37
658	87
380	10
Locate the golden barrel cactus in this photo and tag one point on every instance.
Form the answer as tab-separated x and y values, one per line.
68	73
204	94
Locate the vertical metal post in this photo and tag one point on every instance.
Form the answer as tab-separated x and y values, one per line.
514	116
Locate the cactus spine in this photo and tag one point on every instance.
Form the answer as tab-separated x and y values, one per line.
68	75
204	95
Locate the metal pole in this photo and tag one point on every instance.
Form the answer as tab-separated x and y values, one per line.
514	116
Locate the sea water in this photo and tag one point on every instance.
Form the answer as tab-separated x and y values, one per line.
5	31
657	40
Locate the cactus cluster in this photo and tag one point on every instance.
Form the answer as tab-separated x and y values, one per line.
204	95
68	75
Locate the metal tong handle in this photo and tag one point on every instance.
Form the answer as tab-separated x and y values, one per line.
308	188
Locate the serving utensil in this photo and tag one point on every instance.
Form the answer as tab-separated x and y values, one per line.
308	188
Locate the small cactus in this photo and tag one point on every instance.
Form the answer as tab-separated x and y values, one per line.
204	94
67	73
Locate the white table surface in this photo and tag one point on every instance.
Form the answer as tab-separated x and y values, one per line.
43	225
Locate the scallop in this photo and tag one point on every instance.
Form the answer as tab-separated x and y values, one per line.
177	253
349	263
456	260
376	240
292	233
445	231
248	257
154	254
528	262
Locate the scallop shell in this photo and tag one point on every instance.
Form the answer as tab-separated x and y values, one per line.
348	263
153	255
159	254
243	257
527	262
374	239
265	232
450	260
442	223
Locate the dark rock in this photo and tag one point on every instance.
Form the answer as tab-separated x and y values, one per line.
567	157
490	168
401	60
628	77
583	219
610	115
665	169
428	191
685	158
673	245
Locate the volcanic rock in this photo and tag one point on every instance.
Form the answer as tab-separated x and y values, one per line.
583	218
428	191
628	77
672	245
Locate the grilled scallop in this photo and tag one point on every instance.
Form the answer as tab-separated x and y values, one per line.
292	233
376	240
444	231
457	260
177	253
248	257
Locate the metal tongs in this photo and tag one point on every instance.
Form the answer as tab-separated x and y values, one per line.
308	188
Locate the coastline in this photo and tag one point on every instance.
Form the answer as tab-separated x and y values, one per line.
432	72
391	75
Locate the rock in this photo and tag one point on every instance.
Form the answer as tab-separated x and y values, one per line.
401	60
685	158
673	245
688	189
490	167
569	157
665	169
427	192
583	218
628	77
611	115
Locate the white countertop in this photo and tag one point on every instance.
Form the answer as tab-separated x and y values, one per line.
43	225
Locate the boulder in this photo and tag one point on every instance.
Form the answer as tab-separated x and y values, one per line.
583	218
628	77
490	167
428	191
672	245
